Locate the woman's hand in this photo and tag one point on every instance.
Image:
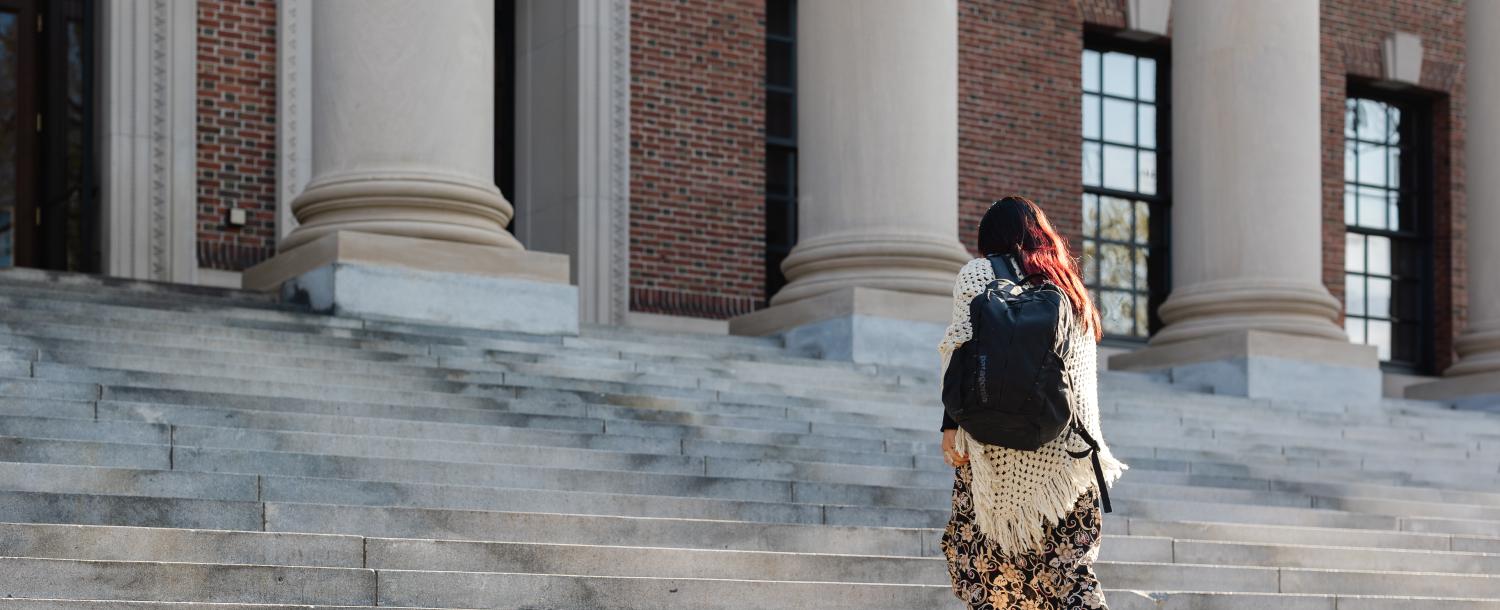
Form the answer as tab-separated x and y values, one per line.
950	454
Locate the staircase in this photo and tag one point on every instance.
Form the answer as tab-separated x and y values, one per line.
174	447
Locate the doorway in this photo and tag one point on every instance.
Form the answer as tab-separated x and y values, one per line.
49	216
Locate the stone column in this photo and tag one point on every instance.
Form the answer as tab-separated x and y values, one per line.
403	123
1249	313
1475	378
872	273
402	217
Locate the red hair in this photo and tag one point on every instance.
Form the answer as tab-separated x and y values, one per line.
1015	225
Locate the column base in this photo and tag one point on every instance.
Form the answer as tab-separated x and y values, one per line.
865	325
384	276
1261	364
1478	391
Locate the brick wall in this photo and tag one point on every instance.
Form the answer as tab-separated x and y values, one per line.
1019	88
1351	39
697	157
236	131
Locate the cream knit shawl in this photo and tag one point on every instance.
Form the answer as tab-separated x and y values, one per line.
1017	493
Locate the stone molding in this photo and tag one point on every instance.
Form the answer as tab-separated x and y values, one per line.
1150	17
822	264
1221	306
294	112
417	254
1401	55
148	96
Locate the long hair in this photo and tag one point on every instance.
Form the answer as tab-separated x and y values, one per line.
1015	225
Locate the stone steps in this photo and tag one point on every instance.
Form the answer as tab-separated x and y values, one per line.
153	441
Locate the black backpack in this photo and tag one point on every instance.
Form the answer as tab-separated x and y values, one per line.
1009	384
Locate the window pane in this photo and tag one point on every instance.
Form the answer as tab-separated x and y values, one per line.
1114	266
1393	208
779	166
1371	164
1408	258
1090	70
1147	89
1351	206
1091	164
1380	254
1119	168
1379	335
1405	302
779	14
1119	121
779	63
1090	116
1350	165
779	108
1147	123
1406	344
1354	252
1118	310
1142	222
1119	74
1114	218
1355	327
1090	262
1142	316
1393	116
1349	118
1354	294
1372	204
1393	162
1090	214
1140	270
1147	185
1378	304
1371	121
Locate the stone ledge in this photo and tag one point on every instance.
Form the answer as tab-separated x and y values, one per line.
1247	344
844	302
412	253
1481	391
865	325
1262	364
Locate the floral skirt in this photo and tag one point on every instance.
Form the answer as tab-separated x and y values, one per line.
1058	577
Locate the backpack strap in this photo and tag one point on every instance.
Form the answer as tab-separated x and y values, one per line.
1006	267
1093	452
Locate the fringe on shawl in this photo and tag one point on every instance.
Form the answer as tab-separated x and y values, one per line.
1020	528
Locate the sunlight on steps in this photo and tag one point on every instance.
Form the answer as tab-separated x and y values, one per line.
180	447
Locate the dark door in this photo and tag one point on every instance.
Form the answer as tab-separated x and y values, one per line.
48	195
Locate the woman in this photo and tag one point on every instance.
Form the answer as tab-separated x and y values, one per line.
1026	524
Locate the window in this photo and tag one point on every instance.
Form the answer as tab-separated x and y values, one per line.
1387	244
1124	199
781	138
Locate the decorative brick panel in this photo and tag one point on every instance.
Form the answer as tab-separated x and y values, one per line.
697	157
1352	32
236	131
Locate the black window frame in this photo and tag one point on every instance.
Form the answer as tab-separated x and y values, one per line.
1159	205
780	149
1416	190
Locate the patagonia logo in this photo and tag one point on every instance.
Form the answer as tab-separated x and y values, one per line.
984	375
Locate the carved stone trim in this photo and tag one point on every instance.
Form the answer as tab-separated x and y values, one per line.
1402	55
148	101
1148	16
619	204
294	108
